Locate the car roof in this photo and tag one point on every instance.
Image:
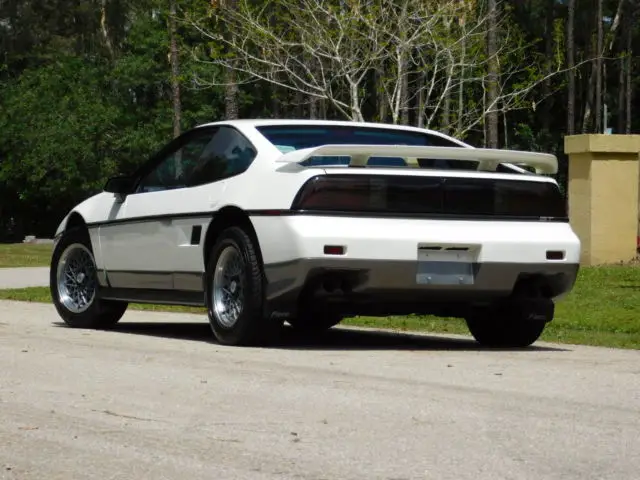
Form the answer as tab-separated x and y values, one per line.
262	122
275	122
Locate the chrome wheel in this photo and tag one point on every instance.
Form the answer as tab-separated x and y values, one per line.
228	287
76	278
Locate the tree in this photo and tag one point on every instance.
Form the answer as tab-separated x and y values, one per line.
175	71
598	67
571	93
492	77
88	87
47	164
409	50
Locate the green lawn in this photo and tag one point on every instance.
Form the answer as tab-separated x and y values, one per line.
603	310
24	255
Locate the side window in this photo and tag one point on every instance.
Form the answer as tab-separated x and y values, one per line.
229	153
174	170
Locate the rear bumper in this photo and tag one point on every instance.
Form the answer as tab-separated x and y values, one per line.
358	287
293	237
380	264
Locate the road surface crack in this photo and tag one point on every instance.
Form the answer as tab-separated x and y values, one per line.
132	417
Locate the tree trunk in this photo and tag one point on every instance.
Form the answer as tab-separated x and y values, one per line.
621	93
571	94
492	77
629	56
404	97
505	126
622	63
299	107
105	29
231	108
590	94
446	113
399	95
548	48
420	112
275	102
323	109
589	98
461	90
380	96
313	108
484	109
599	53
354	90
175	70
404	79
603	96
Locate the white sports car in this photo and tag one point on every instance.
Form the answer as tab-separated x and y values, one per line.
267	221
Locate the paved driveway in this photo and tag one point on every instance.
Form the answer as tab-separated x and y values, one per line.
156	398
24	277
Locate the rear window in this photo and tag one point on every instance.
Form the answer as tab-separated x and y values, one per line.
288	138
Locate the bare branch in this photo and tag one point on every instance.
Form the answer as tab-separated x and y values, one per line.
329	50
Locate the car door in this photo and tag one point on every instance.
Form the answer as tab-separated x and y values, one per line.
153	241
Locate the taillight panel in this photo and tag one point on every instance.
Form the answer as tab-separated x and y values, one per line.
432	196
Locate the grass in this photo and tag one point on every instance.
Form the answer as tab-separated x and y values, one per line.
24	255
603	310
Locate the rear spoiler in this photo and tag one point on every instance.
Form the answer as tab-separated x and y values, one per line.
488	159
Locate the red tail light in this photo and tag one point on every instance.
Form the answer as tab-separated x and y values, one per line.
328	193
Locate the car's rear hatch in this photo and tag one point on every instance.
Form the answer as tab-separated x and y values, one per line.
416	189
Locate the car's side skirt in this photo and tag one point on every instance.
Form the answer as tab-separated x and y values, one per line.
152	280
167	288
157	296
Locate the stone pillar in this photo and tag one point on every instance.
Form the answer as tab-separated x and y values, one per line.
603	195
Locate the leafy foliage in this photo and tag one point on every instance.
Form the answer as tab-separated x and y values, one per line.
85	85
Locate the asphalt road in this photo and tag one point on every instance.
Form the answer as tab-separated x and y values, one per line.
157	399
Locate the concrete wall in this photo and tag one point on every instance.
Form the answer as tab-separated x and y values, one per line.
603	186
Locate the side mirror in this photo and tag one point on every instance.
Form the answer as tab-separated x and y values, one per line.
120	185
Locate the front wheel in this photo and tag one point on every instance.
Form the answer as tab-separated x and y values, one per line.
234	291
73	284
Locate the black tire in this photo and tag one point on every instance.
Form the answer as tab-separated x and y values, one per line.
506	329
249	326
97	313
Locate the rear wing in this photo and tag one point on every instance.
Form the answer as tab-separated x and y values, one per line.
488	159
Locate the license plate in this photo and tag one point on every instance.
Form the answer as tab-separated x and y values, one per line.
446	265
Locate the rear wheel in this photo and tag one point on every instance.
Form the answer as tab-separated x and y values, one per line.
234	291
73	284
516	325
